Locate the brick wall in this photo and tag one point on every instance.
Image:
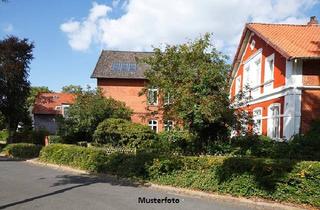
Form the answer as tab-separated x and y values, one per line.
310	108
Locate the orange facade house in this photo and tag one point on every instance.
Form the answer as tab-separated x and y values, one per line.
280	63
121	76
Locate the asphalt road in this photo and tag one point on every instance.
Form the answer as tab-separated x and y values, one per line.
27	186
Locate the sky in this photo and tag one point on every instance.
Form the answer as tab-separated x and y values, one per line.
69	35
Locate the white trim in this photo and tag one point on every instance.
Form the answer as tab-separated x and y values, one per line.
252	56
237	87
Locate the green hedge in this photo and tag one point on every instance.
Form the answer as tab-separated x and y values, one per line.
22	150
282	180
90	159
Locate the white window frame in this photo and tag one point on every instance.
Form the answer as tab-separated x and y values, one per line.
63	109
268	81
168	125
255	119
271	121
153	124
253	79
167	99
238	84
149	96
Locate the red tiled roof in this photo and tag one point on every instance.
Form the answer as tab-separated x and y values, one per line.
47	103
292	41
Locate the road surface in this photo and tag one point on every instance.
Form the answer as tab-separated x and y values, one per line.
27	186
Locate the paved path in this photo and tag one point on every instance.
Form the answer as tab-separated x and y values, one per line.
27	186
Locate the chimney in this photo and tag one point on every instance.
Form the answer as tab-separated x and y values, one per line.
313	21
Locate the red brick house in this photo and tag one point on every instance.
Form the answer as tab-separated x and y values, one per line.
121	76
280	63
47	107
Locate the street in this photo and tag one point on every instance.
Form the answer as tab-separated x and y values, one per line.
27	186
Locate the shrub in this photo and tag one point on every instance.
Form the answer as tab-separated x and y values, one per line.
30	136
53	139
178	141
4	134
120	132
22	150
90	159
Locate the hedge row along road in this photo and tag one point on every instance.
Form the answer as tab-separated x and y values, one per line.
28	186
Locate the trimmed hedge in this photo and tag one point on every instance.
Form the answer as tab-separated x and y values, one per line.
282	180
90	159
22	150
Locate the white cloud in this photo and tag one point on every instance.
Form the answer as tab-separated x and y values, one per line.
8	28
152	22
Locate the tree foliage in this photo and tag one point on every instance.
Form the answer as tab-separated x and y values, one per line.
90	108
75	89
15	57
195	76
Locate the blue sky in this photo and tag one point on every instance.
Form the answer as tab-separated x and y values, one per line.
69	35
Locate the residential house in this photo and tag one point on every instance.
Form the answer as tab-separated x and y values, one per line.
47	107
280	63
121	76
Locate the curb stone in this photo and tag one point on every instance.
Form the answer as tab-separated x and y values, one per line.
258	202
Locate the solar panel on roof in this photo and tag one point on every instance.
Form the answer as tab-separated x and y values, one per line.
123	66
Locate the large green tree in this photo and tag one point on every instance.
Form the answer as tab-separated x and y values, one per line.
89	109
194	75
15	57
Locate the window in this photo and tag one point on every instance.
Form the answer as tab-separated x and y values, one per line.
274	121
65	109
167	99
168	125
152	96
252	44
269	73
257	120
238	85
252	74
153	124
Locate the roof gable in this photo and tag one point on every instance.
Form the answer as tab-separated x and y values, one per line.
120	64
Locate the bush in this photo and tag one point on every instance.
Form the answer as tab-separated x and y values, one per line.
30	136
4	134
177	141
90	159
53	139
283	180
120	132
22	150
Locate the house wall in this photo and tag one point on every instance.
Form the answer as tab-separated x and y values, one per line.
279	64
127	90
45	121
265	105
310	100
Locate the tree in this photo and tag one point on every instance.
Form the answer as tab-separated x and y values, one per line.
15	58
34	91
75	89
89	109
194	75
